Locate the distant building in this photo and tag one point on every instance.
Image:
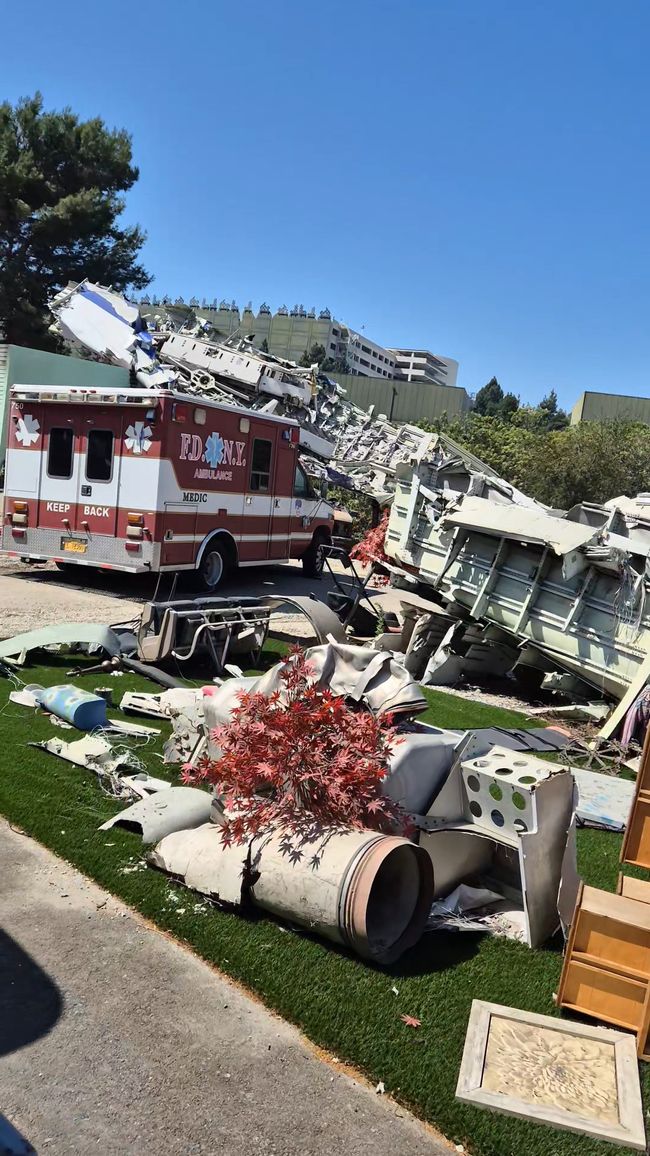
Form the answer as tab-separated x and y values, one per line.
610	407
421	365
293	332
367	359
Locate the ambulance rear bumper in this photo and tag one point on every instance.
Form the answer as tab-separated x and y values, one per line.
101	550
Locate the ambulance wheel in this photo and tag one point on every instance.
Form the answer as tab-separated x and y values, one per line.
313	560
213	566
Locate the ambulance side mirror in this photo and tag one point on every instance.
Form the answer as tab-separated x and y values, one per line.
324	487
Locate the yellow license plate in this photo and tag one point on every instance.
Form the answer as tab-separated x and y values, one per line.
73	547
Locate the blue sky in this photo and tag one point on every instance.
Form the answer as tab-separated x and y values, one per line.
469	176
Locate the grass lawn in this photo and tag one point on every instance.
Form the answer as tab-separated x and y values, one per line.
341	1003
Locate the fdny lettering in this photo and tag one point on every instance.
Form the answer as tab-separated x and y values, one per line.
57	507
217	451
191	447
97	511
190	496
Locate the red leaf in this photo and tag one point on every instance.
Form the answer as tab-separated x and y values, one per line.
411	1021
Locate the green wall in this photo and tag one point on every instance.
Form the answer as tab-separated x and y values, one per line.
414	401
22	366
609	407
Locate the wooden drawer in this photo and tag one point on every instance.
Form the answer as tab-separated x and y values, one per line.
609	942
616	999
637	842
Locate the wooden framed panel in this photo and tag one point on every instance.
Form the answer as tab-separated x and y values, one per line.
573	1076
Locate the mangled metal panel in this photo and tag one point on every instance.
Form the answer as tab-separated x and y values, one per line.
199	858
64	634
176	809
570	590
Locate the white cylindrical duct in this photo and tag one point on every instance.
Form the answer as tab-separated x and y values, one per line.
368	891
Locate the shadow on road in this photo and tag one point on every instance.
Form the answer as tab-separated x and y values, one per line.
253	582
30	1000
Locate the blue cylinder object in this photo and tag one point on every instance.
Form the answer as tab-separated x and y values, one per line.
84	710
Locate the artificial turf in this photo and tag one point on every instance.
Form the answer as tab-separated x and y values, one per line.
339	1002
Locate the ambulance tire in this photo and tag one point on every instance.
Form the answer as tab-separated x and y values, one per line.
313	560
214	565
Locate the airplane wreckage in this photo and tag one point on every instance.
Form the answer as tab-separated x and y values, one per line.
508	584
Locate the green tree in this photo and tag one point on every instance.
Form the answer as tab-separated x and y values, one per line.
61	181
491	401
589	462
314	356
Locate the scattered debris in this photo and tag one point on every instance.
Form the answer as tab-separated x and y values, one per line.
95	754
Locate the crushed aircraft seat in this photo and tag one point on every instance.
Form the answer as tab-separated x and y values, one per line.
216	626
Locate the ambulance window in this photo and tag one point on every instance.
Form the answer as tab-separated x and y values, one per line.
59	454
99	459
301	488
261	467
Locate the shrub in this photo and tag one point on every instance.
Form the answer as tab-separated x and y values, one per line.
300	758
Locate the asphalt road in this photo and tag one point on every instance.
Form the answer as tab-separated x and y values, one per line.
115	1039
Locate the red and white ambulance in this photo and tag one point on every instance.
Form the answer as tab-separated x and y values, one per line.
155	480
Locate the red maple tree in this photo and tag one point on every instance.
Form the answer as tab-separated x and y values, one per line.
299	759
370	550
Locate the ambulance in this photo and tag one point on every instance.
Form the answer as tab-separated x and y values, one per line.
153	480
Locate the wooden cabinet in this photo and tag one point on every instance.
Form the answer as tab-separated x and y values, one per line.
606	971
636	844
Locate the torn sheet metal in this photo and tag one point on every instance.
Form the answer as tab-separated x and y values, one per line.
143	784
125	727
65	634
145	704
518	523
96	754
104	323
177	809
320	616
27	696
200	860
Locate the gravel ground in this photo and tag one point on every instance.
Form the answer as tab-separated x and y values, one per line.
35	596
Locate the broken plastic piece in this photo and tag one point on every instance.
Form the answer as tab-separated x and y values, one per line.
177	809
